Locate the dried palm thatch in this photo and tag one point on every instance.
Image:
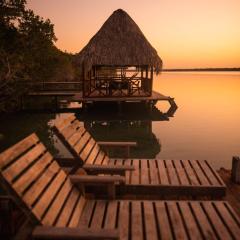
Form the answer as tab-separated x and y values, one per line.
119	42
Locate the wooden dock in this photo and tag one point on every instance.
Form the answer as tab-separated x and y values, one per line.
77	96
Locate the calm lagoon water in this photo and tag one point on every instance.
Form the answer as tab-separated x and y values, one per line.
206	124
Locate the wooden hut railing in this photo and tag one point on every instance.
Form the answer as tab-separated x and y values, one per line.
117	86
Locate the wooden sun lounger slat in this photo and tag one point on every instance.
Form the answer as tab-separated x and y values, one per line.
111	215
135	175
163	220
86	151
51	215
98	217
228	219
93	155
75	136
176	220
68	208
216	221
32	173
74	131
127	162
137	232
86	216
32	194
162	172
100	157
144	172
191	225
49	194
181	173
190	173
202	178
80	145
171	172
17	167
149	220
10	154
153	171
211	174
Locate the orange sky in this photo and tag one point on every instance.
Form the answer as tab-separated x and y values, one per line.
186	33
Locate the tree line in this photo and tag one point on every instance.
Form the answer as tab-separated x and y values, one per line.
27	52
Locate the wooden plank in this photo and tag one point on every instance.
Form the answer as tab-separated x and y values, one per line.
144	173
75	137
202	178
149	219
55	208
136	224
163	221
111	215
211	174
81	143
93	155
127	162
32	194
49	194
87	149
200	216
43	232
77	212
61	123
99	158
153	172
171	172
181	173
162	172
23	162
69	130
221	230
191	225
98	216
32	173
68	208
229	221
190	173
124	220
85	219
105	160
11	153
135	177
175	218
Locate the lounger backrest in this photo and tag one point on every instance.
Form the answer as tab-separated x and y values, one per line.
78	140
36	181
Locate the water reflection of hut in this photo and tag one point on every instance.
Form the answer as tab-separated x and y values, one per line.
148	145
118	61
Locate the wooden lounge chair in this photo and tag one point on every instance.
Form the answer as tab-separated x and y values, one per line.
51	201
156	177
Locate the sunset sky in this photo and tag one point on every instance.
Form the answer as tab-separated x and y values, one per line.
185	33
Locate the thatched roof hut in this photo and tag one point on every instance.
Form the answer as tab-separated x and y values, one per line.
119	42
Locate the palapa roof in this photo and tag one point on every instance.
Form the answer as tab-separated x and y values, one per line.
119	42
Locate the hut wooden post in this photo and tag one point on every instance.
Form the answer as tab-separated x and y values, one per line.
236	169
